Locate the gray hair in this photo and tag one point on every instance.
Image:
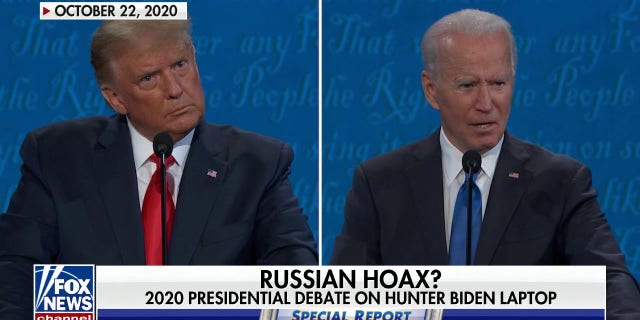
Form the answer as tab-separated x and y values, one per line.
112	36
467	21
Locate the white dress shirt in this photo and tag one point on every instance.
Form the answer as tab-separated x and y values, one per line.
453	176
142	150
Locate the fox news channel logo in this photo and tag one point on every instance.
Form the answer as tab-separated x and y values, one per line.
63	292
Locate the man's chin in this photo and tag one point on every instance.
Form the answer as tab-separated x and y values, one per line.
485	146
185	123
179	132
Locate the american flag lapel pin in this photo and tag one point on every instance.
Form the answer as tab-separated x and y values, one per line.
514	175
212	173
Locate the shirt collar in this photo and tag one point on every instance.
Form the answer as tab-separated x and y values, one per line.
452	158
143	147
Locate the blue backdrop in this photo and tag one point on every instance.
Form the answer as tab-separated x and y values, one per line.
576	86
576	92
257	60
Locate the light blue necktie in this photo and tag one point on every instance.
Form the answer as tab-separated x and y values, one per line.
458	240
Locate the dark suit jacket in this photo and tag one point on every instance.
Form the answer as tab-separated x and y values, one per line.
549	215
77	202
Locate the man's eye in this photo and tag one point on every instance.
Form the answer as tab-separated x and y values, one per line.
147	82
466	85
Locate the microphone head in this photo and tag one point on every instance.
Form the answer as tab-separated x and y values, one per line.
162	144
471	161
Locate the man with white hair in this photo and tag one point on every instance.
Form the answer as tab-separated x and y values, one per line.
531	206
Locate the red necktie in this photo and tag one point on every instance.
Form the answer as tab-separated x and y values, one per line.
152	214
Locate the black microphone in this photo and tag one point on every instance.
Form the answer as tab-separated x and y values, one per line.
162	147
471	163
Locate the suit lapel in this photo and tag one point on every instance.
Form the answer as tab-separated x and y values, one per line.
199	189
510	181
114	168
425	166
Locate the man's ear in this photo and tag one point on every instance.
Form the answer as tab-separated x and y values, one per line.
113	99
429	89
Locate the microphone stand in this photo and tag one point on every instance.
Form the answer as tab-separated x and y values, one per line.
163	206
471	163
469	215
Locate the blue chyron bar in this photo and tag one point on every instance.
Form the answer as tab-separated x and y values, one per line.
199	314
503	314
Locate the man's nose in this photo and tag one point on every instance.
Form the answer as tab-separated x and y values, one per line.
484	98
173	85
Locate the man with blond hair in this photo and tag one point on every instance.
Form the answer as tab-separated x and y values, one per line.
84	192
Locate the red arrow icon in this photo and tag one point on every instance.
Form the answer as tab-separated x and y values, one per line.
44	11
